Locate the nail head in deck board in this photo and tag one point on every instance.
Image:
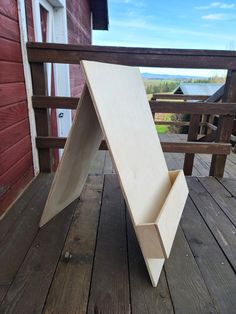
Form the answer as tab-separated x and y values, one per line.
29	289
185	280
221	227
217	273
144	299
109	291
222	196
69	291
19	237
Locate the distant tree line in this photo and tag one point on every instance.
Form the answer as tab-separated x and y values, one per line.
168	86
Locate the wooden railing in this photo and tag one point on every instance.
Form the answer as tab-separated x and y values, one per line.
39	53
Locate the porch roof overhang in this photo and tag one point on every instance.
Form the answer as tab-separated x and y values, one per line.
99	10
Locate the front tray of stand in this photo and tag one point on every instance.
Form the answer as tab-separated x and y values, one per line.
156	237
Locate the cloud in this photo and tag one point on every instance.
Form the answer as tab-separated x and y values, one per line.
218	5
219	17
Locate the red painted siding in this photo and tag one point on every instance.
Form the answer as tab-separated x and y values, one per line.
16	166
79	32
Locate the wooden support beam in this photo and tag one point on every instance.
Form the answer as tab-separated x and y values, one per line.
192	136
157	96
41	114
54	102
225	126
224	108
149	57
168	147
208	137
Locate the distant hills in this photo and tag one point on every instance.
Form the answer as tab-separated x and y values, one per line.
153	76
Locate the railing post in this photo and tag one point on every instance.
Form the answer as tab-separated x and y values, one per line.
225	126
42	114
192	136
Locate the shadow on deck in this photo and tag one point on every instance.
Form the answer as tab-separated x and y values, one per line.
87	258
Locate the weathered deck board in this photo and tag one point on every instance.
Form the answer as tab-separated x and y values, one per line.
182	271
213	264
221	227
70	288
20	234
106	272
29	289
145	299
110	279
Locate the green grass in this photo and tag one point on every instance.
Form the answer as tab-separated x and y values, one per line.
162	129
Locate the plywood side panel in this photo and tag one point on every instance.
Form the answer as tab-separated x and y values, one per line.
131	136
80	149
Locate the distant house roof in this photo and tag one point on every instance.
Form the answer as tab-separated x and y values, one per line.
197	88
100	18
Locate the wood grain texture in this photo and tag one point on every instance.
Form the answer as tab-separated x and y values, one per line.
9	28
225	126
9	177
192	137
170	147
11	72
193	107
220	225
9	9
145	299
11	51
218	275
182	271
12	93
221	195
55	102
14	154
15	191
13	134
42	119
174	58
81	147
19	237
69	292
109	291
12	114
29	288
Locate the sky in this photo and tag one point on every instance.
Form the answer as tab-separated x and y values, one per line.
192	24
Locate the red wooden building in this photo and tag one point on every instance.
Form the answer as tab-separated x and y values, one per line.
61	21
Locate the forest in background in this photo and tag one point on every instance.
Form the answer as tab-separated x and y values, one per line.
168	86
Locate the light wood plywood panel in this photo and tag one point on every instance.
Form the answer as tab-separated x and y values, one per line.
154	196
80	149
122	107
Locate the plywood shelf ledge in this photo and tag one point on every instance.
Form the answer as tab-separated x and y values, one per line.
158	236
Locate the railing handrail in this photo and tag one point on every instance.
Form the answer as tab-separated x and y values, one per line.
149	57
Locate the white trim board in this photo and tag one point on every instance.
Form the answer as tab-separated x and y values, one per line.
28	82
154	196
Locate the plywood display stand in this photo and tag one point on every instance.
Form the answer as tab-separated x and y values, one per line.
114	105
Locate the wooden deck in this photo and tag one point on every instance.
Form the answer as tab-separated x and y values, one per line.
87	258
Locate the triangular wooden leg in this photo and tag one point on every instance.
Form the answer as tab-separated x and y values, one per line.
83	142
